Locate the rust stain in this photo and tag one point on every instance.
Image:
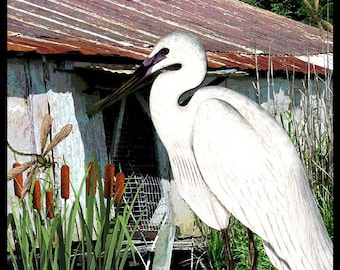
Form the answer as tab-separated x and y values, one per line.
231	31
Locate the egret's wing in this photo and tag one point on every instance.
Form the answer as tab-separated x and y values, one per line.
193	189
244	161
248	161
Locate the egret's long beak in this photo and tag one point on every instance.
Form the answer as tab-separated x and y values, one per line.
137	81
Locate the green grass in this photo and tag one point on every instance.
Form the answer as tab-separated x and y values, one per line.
239	247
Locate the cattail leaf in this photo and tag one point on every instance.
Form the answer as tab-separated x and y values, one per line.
328	25
308	5
316	5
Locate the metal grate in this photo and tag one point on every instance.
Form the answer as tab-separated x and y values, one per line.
150	206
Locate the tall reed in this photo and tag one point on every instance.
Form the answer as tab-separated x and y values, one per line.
310	127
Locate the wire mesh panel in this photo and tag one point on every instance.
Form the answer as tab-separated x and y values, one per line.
149	204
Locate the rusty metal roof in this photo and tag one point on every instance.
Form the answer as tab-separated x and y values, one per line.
230	30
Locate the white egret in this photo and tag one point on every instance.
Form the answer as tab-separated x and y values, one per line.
229	156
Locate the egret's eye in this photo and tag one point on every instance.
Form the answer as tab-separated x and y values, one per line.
164	51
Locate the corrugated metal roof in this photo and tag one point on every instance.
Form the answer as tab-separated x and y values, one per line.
230	30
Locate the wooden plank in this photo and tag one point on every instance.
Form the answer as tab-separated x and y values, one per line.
163	249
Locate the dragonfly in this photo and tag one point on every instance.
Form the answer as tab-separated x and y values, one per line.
42	161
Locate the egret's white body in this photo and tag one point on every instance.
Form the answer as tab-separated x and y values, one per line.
229	156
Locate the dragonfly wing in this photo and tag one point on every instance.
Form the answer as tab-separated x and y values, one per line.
45	130
12	173
28	182
60	136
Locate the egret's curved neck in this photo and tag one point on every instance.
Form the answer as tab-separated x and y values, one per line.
170	119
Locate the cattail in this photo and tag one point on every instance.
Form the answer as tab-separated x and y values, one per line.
65	181
37	195
49	204
109	180
91	166
119	188
17	182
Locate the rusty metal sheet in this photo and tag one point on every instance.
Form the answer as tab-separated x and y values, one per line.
263	62
131	28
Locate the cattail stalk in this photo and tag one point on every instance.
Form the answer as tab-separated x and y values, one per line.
92	175
65	181
49	204
119	187
17	182
37	195
109	180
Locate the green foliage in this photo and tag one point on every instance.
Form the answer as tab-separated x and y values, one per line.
324	199
214	244
296	10
216	249
238	239
239	247
104	241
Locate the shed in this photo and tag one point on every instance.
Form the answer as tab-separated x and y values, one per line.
64	55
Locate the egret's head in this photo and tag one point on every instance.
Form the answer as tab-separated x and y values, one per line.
177	51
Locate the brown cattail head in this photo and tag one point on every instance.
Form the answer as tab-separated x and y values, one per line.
109	180
119	187
37	195
17	182
65	181
49	204
92	175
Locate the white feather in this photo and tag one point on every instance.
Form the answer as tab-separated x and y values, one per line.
228	155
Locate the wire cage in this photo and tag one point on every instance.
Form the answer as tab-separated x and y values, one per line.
149	206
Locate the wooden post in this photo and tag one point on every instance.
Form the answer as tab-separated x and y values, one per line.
117	131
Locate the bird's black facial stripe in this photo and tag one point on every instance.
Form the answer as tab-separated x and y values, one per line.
173	67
